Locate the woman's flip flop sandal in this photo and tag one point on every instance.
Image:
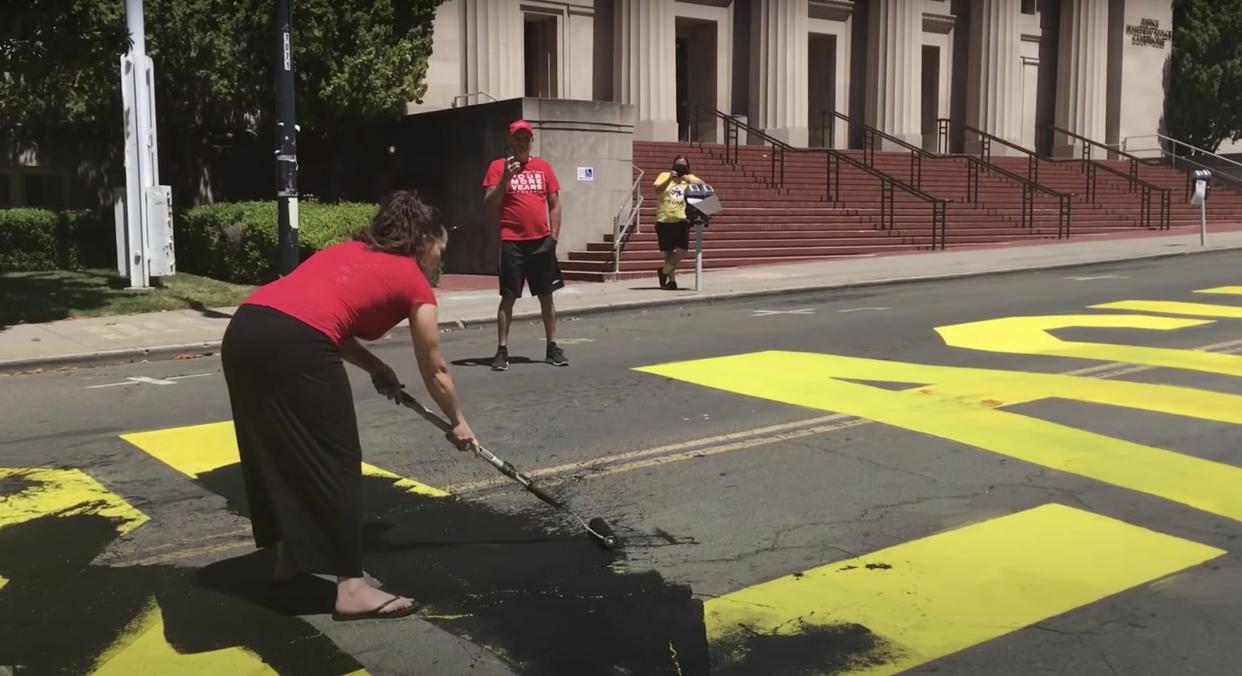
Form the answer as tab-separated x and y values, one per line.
378	614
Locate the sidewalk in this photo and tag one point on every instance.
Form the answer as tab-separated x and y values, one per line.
169	334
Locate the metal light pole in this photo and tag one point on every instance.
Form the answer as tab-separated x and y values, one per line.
286	132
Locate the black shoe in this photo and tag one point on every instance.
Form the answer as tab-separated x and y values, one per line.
556	356
501	361
663	277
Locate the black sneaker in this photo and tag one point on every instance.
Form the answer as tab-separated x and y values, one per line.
501	361
663	277
556	356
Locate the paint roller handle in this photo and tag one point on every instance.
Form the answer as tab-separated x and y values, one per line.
445	426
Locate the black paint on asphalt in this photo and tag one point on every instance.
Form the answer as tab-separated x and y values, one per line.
58	614
548	602
811	649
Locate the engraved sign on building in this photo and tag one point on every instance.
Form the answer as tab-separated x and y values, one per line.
1148	34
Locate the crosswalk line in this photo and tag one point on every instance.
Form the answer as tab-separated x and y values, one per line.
197	449
963	405
928	598
1172	307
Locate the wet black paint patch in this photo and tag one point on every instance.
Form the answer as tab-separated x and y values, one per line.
548	601
58	614
809	649
15	483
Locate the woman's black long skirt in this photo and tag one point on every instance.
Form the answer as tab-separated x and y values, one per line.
298	438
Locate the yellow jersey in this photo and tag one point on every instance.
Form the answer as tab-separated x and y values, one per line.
672	207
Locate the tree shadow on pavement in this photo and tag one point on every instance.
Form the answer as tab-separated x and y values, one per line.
48	296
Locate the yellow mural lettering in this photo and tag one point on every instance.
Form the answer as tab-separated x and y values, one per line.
1170	307
62	492
1030	335
960	404
937	595
142	649
197	449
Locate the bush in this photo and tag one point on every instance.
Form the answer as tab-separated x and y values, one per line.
237	241
41	239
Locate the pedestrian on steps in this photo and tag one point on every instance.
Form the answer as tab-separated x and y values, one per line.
284	353
672	225
522	189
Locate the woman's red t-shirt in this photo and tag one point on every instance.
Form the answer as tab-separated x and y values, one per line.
349	290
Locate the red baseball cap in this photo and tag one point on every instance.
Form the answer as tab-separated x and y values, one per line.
520	125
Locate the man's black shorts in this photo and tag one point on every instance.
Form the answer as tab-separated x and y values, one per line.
531	263
673	236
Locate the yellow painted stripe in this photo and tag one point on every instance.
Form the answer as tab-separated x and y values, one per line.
142	649
1230	290
941	594
196	449
3	581
63	492
962	405
1170	307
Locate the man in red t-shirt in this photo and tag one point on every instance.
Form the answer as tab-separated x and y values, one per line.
524	191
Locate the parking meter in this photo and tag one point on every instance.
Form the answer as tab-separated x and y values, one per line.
701	205
1203	187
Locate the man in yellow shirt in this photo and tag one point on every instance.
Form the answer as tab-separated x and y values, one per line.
672	226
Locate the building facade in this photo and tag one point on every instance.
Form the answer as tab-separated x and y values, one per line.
1097	68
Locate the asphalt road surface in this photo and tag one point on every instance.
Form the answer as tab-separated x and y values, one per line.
983	476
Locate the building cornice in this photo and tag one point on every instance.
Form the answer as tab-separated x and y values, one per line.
835	10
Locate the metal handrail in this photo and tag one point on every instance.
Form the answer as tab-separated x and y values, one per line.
732	129
626	216
888	186
917	154
1029	186
1091	167
459	97
1175	143
986	139
1175	160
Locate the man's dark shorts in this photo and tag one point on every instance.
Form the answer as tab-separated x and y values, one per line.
673	236
531	263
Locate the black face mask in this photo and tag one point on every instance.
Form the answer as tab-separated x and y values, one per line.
681	168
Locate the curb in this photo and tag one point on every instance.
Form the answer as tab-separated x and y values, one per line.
207	348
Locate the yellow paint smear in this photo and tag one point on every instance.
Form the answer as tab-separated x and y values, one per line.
197	449
1170	307
950	591
142	650
959	404
63	492
1030	335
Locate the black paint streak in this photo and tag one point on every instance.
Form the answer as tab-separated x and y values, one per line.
811	650
58	614
16	483
548	601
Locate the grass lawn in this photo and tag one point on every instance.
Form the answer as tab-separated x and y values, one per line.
27	297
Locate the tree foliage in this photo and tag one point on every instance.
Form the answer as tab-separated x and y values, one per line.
356	61
1204	103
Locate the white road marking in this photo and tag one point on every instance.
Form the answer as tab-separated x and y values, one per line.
769	313
863	309
1092	278
140	380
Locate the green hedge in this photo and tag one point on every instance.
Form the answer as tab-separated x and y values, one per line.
41	239
236	241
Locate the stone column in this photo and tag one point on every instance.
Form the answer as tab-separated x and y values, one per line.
1082	74
778	70
894	68
493	52
995	95
644	71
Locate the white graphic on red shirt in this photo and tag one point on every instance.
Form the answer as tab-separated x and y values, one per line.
527	182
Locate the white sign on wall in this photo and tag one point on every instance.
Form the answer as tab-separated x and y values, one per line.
586	173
